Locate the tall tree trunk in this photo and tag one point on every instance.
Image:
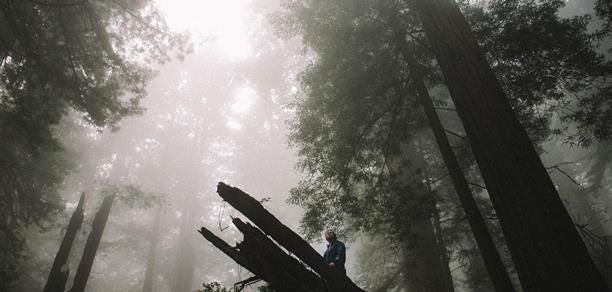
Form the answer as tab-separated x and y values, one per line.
546	248
151	269
493	262
423	267
59	271
443	254
184	265
91	246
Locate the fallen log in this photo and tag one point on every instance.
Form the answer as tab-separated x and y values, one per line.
284	236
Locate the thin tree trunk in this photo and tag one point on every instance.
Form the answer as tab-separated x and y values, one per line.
59	271
91	246
448	277
547	251
151	269
184	264
493	262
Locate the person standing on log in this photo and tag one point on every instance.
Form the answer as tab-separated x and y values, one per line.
335	255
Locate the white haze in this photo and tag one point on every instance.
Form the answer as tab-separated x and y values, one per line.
219	115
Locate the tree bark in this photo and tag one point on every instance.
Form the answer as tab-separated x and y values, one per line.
91	246
285	272
230	251
424	269
258	254
59	271
546	248
282	234
151	268
184	264
443	253
493	262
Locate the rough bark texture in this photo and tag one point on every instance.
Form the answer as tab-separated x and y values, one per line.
493	262
91	246
258	254
546	248
285	272
151	268
59	272
423	267
282	234
230	251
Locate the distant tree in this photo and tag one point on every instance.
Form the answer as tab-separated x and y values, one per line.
59	271
151	266
93	242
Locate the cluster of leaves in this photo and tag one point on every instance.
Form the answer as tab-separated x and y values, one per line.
603	9
213	287
87	57
548	65
216	287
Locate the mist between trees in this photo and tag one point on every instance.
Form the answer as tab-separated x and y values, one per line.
452	145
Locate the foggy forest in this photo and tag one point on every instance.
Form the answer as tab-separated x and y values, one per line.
287	145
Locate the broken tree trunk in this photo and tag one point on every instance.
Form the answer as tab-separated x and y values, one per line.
282	234
91	246
258	254
59	273
290	274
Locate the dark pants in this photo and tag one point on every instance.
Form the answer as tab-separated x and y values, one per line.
340	269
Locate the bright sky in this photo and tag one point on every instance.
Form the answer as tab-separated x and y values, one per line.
222	23
223	26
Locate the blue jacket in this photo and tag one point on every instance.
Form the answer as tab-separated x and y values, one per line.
335	253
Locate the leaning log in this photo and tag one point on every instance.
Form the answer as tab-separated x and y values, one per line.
262	257
228	250
282	234
287	273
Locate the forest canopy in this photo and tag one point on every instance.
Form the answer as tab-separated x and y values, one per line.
451	145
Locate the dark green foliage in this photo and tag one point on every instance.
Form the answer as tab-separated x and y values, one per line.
358	115
603	9
55	59
548	65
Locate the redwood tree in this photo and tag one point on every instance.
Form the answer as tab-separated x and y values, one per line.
547	251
